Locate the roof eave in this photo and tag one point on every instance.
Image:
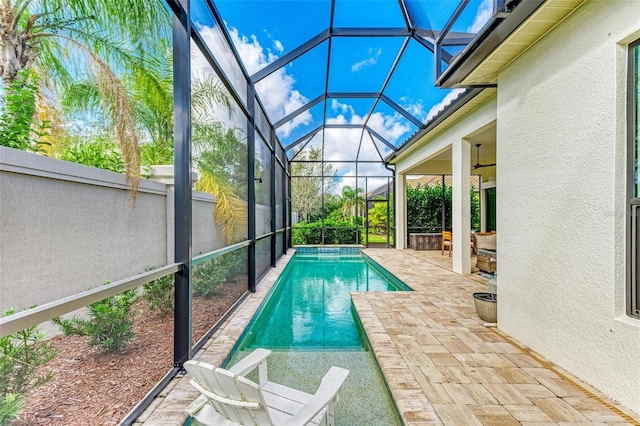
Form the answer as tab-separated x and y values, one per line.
447	112
486	42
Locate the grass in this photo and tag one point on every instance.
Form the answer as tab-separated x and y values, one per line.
374	238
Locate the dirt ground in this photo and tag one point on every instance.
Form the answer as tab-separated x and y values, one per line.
92	388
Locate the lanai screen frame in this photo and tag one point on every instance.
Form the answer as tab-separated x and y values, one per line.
184	33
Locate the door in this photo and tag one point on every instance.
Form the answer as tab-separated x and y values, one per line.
490	210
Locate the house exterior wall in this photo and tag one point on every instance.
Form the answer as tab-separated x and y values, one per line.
66	228
561	153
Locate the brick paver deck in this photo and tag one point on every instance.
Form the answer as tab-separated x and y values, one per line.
442	365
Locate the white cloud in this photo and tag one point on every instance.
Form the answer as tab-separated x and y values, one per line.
372	60
253	56
342	144
450	97
276	91
414	108
278	46
347	114
344	108
372	183
485	11
388	126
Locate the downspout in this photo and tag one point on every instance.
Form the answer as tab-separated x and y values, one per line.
393	173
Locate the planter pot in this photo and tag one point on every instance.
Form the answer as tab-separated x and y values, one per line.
486	306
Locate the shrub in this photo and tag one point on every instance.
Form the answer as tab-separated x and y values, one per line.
236	263
307	233
159	293
21	355
9	406
208	276
110	323
18	127
311	233
100	152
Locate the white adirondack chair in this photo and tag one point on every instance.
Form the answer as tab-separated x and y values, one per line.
228	398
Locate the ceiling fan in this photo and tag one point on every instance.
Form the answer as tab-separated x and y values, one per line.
478	165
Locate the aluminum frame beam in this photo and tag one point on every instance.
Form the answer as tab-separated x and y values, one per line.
299	111
402	111
370	32
182	187
302	139
291	56
383	140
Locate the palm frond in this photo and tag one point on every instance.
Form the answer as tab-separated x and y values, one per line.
84	95
230	210
207	95
116	101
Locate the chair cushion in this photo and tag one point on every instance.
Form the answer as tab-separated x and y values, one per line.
484	241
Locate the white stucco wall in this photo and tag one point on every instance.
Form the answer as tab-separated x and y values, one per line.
561	188
207	236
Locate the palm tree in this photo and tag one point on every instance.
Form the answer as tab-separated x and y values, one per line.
352	202
60	40
111	58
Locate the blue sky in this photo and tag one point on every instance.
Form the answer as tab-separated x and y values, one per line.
263	31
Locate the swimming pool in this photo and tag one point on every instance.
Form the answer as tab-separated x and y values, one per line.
310	307
309	324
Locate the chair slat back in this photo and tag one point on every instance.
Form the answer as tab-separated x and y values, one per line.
236	398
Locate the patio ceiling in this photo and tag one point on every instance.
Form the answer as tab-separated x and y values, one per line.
353	78
441	163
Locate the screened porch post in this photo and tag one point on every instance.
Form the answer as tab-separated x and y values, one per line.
251	187
182	168
461	206
400	214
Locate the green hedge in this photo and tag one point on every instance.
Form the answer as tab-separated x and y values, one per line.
341	232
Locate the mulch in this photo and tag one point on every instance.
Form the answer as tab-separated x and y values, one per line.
93	388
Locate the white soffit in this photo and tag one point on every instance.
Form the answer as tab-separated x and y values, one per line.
543	20
479	100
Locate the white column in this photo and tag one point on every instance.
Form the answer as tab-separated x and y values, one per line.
400	213
461	215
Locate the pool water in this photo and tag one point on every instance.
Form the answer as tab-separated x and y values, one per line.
308	323
310	307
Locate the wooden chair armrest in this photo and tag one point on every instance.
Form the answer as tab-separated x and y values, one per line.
255	359
326	394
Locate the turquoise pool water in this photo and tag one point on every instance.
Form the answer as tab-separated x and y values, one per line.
309	324
310	307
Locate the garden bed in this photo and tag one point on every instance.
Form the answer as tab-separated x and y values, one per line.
90	387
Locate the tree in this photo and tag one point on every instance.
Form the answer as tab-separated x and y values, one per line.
424	207
310	177
380	217
353	203
60	40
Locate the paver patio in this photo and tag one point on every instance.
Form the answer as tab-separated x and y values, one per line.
441	363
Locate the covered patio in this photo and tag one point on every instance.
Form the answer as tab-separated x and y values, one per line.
441	363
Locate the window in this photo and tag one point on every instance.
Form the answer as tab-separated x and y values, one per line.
633	208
